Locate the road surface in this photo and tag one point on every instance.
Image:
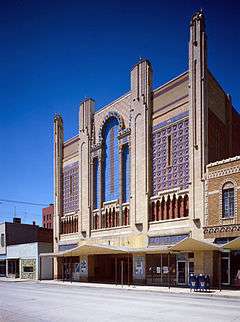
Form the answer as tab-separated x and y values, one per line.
31	302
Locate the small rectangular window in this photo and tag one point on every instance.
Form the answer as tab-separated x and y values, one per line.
169	150
28	269
2	240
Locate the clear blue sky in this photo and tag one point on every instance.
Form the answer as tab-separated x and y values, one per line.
54	53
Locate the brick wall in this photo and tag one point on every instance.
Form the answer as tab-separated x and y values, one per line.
47	217
218	174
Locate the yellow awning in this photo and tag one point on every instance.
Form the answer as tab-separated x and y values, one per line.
151	250
190	244
233	244
88	249
95	249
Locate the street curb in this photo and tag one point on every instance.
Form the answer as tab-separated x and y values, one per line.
196	294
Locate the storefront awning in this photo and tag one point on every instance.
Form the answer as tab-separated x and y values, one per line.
151	250
233	244
191	244
89	249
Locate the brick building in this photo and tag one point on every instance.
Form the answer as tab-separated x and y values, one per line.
222	215
47	216
21	245
130	187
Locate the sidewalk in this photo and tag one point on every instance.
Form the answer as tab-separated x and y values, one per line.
160	289
15	280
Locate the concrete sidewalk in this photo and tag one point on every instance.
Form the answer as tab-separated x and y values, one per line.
16	280
160	289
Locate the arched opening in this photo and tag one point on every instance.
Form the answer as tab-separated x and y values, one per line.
157	210
110	217
111	160
153	212
168	207
163	209
174	208
113	218
186	208
126	220
106	220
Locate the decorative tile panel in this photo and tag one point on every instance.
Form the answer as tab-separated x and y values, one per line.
71	188
177	173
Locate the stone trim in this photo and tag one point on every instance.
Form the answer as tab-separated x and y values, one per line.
233	228
223	172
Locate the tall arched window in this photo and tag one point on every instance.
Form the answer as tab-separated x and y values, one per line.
111	160
228	200
95	183
126	174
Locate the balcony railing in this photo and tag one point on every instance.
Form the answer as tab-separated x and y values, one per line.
69	224
169	206
110	216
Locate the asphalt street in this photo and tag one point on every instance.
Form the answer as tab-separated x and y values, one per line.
31	302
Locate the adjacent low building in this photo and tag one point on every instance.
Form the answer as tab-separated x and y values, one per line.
21	246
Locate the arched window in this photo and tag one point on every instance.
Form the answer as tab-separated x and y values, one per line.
228	200
95	184
186	207
153	212
111	160
126	173
126	216
157	216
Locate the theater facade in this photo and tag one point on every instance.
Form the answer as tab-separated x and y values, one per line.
140	194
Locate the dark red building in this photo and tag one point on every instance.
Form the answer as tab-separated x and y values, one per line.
47	216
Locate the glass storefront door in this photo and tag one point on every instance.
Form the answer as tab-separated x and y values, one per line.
182	272
184	268
225	269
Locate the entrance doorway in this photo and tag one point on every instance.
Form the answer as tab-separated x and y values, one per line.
112	269
184	269
13	268
3	268
225	269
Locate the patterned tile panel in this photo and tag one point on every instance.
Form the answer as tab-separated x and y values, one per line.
176	174
71	187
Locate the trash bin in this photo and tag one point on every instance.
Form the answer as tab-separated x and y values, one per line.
207	282
201	282
192	282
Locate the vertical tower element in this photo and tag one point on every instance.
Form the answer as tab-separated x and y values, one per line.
58	197
141	110
198	115
86	111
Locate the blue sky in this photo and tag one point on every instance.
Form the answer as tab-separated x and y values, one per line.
55	53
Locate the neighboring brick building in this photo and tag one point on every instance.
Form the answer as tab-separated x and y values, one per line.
132	182
222	216
21	245
47	216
